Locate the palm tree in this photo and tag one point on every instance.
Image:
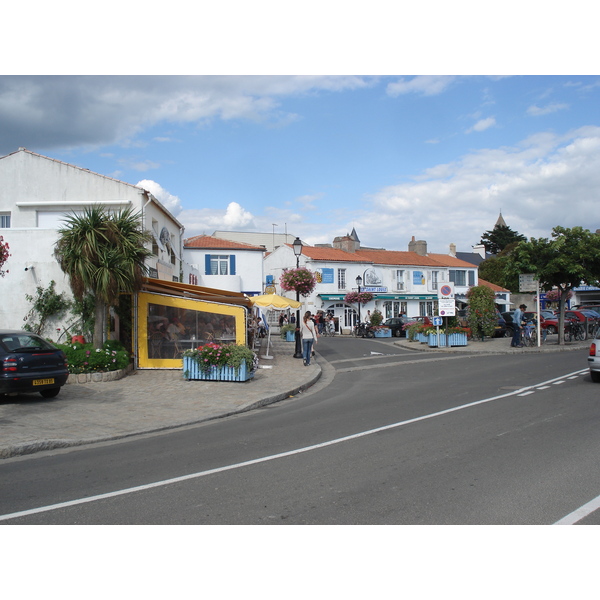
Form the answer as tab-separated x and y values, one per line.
103	253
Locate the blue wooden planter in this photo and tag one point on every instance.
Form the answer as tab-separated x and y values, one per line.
437	341
290	336
421	337
457	339
191	370
383	333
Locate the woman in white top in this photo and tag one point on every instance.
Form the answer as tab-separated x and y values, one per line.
309	336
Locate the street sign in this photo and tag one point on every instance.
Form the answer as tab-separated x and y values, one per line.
446	290
527	282
437	321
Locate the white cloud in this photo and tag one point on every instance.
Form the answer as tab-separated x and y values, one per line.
482	124
537	111
543	182
169	201
428	85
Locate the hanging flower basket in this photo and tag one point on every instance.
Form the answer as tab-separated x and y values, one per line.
299	280
358	298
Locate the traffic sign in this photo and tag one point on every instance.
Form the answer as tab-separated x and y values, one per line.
528	282
446	290
437	321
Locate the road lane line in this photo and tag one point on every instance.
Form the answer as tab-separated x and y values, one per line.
264	459
580	513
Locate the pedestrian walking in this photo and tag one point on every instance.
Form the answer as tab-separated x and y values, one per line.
309	337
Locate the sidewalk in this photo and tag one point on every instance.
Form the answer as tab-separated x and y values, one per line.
143	402
498	346
155	400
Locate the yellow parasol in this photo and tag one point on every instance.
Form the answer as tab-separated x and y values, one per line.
274	302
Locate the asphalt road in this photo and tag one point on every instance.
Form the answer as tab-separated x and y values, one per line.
388	436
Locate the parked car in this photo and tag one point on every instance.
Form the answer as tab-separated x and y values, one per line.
29	364
424	320
396	324
581	315
594	359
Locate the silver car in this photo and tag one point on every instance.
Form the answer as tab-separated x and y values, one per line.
594	359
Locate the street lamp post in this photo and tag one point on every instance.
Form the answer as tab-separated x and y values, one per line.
297	245
359	283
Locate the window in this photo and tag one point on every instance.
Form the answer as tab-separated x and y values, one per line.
341	279
458	277
399	280
434	280
471	278
4	220
219	264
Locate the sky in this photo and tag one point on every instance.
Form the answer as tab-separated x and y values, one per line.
394	155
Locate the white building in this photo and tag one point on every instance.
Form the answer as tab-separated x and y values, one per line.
36	192
401	282
223	264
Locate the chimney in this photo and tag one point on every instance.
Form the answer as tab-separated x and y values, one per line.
419	246
453	250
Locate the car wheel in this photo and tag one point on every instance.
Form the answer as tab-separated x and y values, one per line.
595	375
398	333
50	393
551	329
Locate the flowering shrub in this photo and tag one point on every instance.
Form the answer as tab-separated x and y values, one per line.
83	358
4	254
481	312
358	298
299	280
222	355
554	295
376	318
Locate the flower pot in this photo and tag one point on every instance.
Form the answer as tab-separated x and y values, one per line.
192	370
437	340
457	339
383	333
290	336
77	338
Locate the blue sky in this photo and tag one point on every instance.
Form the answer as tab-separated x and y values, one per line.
394	156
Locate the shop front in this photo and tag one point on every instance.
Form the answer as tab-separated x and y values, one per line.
173	317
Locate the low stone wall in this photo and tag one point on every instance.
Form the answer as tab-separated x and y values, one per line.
100	377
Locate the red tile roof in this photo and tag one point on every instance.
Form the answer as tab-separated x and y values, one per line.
451	261
397	257
209	242
492	286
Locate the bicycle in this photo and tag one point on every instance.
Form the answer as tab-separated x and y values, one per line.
574	331
529	335
362	330
329	329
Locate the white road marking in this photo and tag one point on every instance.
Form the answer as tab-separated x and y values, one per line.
527	393
580	513
257	461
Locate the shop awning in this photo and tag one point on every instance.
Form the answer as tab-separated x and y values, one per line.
196	292
405	297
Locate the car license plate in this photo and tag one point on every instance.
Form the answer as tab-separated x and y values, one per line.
43	381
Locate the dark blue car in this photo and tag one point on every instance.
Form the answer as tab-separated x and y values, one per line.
28	364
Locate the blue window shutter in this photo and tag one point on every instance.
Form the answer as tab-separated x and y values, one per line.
207	264
232	264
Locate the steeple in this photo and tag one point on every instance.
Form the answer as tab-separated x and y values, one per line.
500	222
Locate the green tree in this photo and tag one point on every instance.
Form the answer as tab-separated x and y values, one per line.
570	259
499	238
481	312
494	269
103	253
